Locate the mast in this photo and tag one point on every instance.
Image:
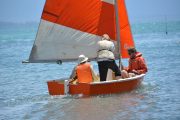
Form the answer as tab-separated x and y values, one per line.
118	31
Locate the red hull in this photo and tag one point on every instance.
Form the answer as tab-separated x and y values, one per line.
56	87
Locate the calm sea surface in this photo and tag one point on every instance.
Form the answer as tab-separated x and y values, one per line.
23	89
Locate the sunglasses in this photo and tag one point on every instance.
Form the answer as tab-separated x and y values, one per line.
130	53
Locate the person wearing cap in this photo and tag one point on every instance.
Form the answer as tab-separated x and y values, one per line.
106	59
136	65
83	72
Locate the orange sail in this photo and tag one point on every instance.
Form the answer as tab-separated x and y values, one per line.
126	38
69	28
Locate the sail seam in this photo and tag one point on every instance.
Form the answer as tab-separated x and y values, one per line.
50	13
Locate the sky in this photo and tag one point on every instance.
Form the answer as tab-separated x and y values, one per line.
138	10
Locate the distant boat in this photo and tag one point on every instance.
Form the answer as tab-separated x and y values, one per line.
166	26
69	28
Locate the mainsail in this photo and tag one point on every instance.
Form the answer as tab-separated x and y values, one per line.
69	28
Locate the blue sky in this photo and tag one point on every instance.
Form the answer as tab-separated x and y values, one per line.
139	10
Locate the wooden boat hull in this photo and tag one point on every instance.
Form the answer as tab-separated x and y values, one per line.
56	87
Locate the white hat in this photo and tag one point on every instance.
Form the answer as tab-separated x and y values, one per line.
82	59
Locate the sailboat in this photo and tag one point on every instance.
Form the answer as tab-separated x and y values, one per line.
69	28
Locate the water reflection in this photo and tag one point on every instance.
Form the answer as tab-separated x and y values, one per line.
105	107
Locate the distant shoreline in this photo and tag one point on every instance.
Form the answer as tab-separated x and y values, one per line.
136	28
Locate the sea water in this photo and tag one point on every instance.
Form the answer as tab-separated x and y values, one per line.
24	93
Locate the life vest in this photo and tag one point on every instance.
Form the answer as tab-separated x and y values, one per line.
137	63
84	74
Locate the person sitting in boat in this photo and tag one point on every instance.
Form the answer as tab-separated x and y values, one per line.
136	65
83	72
106	59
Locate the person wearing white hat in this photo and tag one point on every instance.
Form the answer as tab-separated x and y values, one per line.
82	59
83	72
106	59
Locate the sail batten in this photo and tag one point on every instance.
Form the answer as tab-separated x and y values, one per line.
69	28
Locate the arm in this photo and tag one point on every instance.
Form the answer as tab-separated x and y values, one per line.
142	66
129	68
94	76
112	47
73	73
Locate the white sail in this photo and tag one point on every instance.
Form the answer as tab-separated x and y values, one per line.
56	42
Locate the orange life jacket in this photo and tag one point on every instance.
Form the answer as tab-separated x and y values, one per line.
137	63
84	74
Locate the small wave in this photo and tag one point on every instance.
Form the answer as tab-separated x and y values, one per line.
24	100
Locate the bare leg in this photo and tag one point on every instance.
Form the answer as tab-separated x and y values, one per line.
118	77
131	75
124	74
